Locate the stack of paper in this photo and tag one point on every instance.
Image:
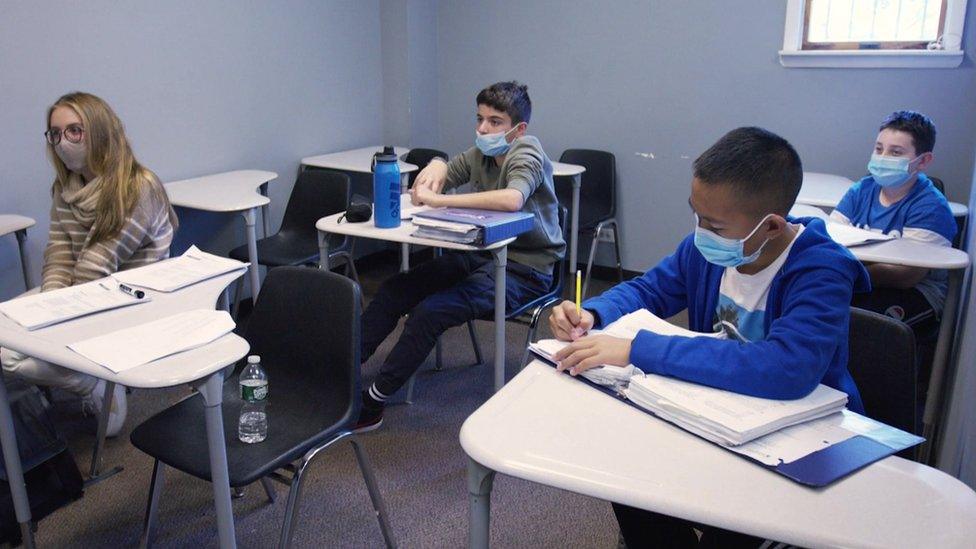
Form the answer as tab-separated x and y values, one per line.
725	417
849	235
130	347
462	233
41	310
172	274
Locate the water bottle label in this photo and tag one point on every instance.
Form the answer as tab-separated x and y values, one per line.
395	200
254	393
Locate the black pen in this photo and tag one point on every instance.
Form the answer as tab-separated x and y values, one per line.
138	294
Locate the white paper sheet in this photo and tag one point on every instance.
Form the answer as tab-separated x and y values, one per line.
48	308
792	443
174	273
130	347
848	235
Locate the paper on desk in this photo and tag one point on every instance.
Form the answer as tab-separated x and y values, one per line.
174	273
608	376
130	347
44	309
849	235
407	212
792	443
629	325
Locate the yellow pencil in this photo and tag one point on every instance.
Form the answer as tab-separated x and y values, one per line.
579	292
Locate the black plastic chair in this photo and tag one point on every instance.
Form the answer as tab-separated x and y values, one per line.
420	158
316	194
960	221
597	203
306	328
882	363
528	314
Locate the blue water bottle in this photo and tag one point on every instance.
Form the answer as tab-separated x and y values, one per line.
386	189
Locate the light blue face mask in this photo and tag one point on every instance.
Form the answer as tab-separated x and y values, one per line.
725	252
890	171
493	144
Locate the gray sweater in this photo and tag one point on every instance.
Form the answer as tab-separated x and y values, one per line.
528	170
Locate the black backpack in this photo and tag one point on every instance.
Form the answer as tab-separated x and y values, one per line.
50	472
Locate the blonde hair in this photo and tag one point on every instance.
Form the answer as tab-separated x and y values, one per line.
110	158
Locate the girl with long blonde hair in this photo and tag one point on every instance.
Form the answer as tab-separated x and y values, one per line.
108	213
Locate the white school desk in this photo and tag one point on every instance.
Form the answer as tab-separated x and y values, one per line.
201	367
549	428
576	172
241	191
826	190
18	224
902	251
402	234
361	161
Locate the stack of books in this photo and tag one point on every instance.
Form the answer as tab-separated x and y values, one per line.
471	226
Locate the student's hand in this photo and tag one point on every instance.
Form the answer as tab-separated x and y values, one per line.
431	178
566	325
591	351
422	196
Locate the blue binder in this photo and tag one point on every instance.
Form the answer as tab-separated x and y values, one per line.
820	468
494	225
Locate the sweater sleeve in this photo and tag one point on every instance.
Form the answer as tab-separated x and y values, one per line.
525	169
787	364
140	232
59	261
458	171
662	291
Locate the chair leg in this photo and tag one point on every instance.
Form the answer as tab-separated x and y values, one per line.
474	344
155	488
238	290
589	261
410	383
374	493
533	326
268	489
294	494
616	249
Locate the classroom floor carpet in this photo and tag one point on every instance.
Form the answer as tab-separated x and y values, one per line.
416	456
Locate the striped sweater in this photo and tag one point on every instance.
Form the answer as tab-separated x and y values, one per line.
71	259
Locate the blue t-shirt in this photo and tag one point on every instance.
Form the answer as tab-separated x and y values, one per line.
923	214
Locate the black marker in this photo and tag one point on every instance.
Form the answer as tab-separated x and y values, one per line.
138	294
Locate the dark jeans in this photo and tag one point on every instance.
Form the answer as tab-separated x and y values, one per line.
439	294
647	530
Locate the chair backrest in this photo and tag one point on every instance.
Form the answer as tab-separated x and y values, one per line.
316	194
882	362
306	328
598	190
938	184
420	158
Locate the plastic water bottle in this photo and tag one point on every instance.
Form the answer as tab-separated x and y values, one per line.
253	424
386	189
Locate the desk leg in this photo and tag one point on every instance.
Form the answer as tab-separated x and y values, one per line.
265	210
24	261
500	258
323	250
212	391
479	501
934	407
15	471
404	248
250	217
574	235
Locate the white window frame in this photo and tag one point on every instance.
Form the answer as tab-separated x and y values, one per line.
792	54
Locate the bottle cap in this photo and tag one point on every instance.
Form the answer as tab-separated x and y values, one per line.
254	359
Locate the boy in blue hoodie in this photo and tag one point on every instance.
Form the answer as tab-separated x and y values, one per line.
779	286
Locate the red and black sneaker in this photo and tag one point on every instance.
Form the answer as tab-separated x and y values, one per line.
370	415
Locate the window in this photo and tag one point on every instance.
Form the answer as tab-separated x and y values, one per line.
873	33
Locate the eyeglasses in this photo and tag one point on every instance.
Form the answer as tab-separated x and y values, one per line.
73	133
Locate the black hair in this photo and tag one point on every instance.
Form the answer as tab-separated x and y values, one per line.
761	166
510	98
916	124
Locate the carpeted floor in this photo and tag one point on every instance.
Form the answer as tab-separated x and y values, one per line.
418	461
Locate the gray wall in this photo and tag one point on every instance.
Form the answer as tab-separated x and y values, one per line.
202	87
669	78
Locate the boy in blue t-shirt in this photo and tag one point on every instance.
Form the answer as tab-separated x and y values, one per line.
898	199
779	286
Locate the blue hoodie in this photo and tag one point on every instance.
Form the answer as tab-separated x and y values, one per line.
806	321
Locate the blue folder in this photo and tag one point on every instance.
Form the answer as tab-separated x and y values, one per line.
820	468
494	225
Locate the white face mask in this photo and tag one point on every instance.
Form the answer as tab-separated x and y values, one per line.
74	155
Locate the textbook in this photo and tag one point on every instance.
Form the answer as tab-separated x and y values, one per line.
471	226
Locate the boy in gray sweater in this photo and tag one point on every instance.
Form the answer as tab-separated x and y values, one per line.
507	171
